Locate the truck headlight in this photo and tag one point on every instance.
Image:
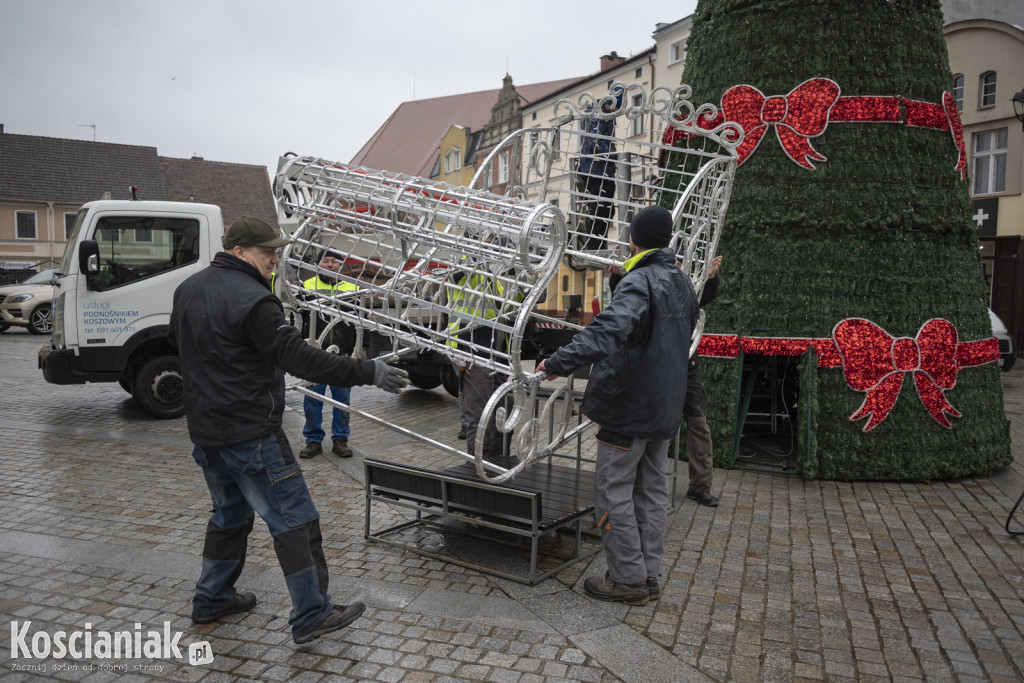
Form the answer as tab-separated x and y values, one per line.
58	322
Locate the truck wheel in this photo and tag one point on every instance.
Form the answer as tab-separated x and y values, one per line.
39	320
158	387
424	380
1008	363
450	380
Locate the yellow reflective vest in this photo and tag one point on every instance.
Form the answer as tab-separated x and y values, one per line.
343	334
474	296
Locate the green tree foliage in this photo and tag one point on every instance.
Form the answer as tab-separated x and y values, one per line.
881	230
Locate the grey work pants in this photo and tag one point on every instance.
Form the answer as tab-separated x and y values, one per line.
476	384
699	448
631	506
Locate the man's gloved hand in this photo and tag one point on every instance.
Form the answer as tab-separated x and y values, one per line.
388	377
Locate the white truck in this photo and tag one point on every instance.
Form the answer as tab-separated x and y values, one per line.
112	296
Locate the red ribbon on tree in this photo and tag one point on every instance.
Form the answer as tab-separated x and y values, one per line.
875	362
806	111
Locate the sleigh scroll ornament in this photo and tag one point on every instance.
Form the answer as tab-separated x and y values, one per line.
412	246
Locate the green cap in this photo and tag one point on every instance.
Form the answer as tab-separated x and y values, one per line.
252	232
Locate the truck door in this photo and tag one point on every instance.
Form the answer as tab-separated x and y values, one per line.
142	260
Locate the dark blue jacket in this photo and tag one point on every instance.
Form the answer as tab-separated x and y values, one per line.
597	151
640	347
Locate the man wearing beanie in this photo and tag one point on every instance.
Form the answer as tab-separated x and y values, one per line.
235	346
639	347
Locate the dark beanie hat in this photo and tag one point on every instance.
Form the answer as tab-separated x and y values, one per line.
651	227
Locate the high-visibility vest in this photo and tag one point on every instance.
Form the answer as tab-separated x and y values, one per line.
470	296
317	284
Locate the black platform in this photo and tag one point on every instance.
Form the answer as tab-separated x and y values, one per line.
544	499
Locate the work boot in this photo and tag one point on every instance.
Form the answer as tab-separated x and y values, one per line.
613	591
339	618
312	449
242	602
340	448
653	589
462	433
704	498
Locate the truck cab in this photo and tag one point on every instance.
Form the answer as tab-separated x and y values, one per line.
113	293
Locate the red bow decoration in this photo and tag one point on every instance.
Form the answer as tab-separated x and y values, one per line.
800	115
875	362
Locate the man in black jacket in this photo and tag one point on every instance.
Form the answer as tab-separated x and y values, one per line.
230	332
635	395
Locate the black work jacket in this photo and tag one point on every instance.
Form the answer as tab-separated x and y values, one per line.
235	346
640	347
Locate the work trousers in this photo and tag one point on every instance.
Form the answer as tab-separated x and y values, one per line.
631	506
599	191
699	449
261	476
476	384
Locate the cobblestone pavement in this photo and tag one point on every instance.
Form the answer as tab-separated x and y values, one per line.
787	580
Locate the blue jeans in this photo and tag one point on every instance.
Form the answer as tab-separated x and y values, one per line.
314	410
261	475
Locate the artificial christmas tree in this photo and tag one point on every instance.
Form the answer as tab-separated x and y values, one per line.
848	244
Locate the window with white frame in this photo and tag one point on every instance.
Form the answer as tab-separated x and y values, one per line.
677	51
69	225
26	224
638	125
990	161
453	160
987	90
503	168
958	91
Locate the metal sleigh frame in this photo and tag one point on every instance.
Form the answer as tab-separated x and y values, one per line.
404	239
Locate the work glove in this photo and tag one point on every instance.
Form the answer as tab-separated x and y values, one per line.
388	377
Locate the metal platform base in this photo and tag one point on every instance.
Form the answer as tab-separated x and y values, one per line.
548	510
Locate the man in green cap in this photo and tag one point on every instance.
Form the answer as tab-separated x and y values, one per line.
235	346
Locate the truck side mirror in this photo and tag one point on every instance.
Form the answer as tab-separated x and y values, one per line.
89	262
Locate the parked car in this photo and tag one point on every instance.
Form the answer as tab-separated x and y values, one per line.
28	303
1007	350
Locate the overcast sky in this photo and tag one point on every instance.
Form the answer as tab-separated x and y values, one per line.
246	81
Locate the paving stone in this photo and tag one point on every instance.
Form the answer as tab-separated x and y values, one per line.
786	580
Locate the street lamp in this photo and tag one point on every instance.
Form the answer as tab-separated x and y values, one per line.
1018	106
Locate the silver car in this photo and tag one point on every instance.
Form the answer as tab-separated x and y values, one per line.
28	303
1006	348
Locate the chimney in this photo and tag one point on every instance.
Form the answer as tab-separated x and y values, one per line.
610	60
